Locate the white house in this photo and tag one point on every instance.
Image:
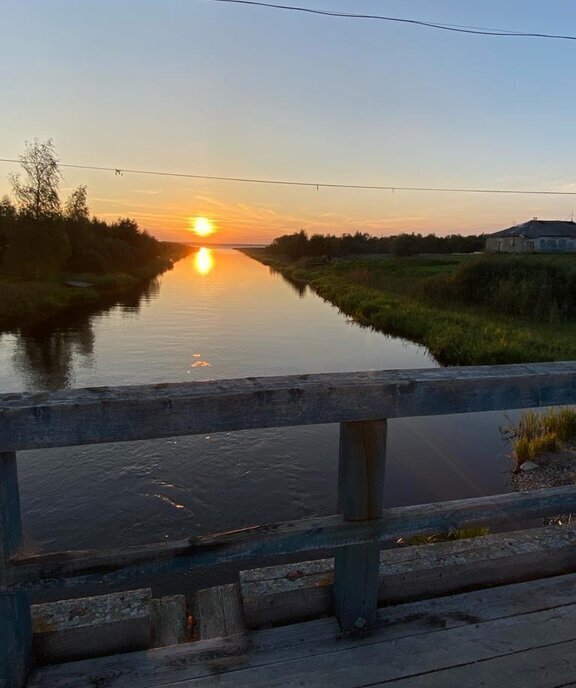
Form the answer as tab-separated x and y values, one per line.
534	236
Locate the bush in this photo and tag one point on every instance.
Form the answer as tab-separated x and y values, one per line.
532	286
37	249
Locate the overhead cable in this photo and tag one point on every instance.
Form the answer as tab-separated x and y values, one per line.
120	171
479	31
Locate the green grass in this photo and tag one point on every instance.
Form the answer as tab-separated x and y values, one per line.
22	301
396	296
25	302
540	432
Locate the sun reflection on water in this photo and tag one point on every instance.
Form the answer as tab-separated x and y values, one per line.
203	261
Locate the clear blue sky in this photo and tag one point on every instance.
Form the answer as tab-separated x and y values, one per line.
209	88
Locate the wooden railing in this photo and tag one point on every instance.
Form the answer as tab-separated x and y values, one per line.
360	402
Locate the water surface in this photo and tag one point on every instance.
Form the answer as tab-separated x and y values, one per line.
219	314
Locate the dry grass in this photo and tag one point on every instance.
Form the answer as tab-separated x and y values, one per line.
537	433
457	534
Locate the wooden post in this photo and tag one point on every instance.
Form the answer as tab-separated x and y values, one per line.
360	489
15	622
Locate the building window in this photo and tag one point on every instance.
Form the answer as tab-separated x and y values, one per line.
551	243
561	243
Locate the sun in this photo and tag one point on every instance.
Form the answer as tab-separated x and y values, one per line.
201	226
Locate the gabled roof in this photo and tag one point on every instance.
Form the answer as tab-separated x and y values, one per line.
539	228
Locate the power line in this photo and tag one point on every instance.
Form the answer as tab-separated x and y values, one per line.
315	185
479	31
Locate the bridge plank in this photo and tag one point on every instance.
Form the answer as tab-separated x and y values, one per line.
15	619
294	592
545	667
367	663
218	612
308	535
409	638
114	414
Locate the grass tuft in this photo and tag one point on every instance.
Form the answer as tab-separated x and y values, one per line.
458	534
537	433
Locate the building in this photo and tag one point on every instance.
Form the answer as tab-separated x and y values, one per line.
535	236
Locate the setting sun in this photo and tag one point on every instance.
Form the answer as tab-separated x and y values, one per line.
202	226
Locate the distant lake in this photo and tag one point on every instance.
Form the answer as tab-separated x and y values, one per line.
219	314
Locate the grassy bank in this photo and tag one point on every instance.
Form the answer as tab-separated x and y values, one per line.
25	302
429	300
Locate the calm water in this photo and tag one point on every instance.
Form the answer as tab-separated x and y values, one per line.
219	314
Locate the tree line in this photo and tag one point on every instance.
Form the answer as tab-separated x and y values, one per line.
300	245
40	235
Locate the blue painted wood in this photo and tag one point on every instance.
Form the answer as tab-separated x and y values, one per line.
360	489
15	621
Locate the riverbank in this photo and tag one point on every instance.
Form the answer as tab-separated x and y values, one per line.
25	302
400	296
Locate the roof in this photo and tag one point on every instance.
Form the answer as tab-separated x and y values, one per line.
539	228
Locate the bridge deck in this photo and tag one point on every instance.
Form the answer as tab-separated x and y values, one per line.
514	635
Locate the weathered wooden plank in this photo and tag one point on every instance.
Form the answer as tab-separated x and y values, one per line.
101	414
92	626
339	663
15	624
294	592
188	660
424	616
308	535
367	663
360	489
545	667
310	639
10	518
169	620
218	612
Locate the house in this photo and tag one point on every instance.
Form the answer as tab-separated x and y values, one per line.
534	236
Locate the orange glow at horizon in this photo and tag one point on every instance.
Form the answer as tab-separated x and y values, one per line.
202	226
203	261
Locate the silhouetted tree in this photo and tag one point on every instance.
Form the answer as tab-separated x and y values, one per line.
76	208
292	245
7	209
403	245
298	245
29	253
37	195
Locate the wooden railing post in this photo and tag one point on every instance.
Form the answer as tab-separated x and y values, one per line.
15	622
360	489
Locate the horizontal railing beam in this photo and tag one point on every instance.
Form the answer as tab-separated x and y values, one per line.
277	540
115	414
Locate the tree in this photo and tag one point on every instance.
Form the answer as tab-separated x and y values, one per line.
404	245
33	253
7	220
76	208
37	195
7	209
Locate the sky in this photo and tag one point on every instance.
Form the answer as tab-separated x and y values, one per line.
209	88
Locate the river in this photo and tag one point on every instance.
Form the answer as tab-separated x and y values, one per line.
220	314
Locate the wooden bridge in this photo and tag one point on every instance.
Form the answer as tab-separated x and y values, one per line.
520	633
